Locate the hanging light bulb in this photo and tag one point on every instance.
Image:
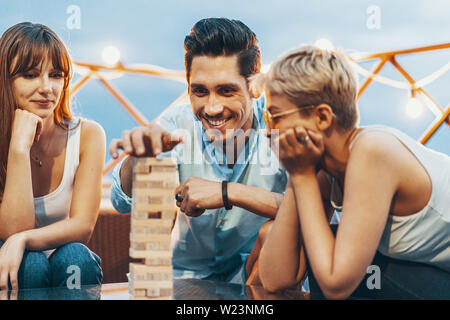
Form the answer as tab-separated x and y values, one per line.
324	44
414	107
111	55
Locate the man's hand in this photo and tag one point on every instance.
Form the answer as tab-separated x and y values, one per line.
144	141
198	195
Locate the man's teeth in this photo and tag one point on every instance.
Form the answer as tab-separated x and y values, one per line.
216	123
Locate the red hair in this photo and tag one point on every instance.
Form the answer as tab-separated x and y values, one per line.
23	47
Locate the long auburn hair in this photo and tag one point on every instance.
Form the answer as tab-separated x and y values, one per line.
27	45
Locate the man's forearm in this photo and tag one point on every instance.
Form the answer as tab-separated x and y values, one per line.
257	200
126	176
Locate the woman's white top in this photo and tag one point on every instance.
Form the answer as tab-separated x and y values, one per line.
425	235
55	206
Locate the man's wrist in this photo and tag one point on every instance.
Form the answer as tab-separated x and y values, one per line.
233	193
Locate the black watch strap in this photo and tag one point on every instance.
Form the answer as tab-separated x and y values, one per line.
226	204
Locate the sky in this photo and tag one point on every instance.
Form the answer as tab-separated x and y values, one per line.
152	32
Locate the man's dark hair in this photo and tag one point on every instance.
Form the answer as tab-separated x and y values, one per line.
223	37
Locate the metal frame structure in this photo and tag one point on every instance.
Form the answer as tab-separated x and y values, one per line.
100	72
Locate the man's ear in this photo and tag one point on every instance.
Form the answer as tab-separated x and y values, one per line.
255	85
324	116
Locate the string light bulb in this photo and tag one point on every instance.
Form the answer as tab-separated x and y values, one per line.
414	107
111	55
324	44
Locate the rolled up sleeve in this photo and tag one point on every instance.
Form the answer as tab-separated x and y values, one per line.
120	201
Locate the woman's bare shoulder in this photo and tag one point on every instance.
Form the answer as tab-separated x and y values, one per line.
92	135
376	143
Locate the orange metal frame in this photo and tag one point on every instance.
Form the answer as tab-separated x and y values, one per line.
96	69
390	56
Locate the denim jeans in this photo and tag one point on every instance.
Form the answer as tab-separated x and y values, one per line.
398	280
36	271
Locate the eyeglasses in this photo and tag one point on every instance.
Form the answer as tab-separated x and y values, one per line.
271	119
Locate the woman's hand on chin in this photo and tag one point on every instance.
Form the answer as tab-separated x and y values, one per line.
27	128
300	150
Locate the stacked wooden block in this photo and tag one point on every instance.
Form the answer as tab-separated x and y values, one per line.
152	216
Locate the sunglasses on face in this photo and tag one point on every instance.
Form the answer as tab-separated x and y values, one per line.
271	120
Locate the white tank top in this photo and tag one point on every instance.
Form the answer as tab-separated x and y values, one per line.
55	206
425	235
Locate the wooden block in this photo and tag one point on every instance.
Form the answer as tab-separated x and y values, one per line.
147	215
143	294
152	276
151	161
139	268
169	297
158	261
152	207
156	176
158	292
157	193
150	169
151	284
155	184
165	274
167	199
150	245
138	292
142	231
150	238
151	223
146	254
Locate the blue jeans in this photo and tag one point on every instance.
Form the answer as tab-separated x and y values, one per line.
36	271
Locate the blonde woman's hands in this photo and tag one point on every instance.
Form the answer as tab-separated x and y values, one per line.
300	150
11	255
26	129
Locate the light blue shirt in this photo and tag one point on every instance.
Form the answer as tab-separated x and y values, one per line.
217	243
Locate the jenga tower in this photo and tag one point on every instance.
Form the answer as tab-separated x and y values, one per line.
152	214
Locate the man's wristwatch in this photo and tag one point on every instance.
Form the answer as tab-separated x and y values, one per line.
226	204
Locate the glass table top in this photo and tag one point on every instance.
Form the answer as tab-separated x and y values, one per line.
183	289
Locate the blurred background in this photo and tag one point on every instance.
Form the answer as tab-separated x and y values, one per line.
152	32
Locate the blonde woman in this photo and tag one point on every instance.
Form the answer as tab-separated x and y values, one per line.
50	166
394	193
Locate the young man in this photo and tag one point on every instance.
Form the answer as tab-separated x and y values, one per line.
230	180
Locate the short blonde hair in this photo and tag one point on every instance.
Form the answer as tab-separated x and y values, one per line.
308	75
